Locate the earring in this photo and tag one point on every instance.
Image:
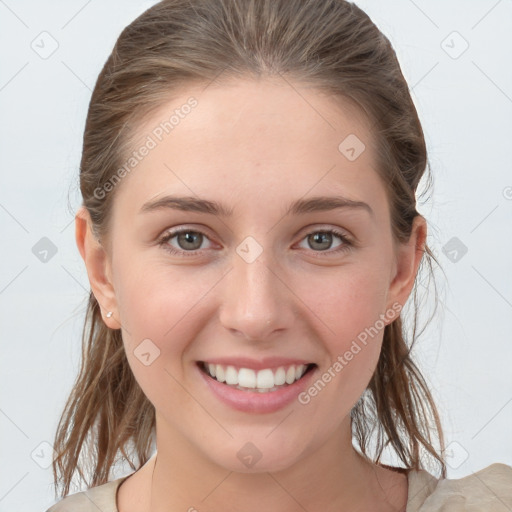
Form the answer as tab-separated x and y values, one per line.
109	314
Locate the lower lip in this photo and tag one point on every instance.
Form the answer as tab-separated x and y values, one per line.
254	401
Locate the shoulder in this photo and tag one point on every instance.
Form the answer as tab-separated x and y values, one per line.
101	497
489	490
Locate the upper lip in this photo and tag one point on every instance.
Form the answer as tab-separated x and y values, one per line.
256	364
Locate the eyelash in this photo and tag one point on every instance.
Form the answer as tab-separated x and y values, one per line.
162	242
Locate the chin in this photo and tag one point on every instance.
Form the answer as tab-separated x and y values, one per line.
258	456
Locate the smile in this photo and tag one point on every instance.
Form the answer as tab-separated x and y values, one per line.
263	381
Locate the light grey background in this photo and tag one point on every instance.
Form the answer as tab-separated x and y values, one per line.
464	100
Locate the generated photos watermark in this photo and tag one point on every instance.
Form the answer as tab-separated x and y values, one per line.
343	360
152	140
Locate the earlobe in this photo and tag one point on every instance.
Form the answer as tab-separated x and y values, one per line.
98	267
409	255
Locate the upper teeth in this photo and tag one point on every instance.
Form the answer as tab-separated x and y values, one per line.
261	379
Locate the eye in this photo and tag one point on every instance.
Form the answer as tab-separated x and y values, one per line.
189	241
322	240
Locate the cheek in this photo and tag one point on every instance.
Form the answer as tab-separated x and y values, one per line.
162	311
156	300
348	310
161	315
346	302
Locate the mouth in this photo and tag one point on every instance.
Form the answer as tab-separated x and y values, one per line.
264	380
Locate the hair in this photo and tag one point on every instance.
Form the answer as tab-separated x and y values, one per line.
333	46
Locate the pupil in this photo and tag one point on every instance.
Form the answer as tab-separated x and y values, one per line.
189	237
321	237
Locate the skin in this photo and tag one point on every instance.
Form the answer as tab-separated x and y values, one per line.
254	146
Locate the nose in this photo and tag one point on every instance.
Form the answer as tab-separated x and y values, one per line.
256	299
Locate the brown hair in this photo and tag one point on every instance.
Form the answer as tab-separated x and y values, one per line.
331	44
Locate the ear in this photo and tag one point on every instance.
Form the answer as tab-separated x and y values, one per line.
98	267
408	258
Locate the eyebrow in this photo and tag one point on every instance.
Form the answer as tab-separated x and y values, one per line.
299	207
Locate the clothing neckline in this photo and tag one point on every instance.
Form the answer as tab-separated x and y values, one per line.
419	484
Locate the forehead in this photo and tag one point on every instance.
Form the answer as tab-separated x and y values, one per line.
241	137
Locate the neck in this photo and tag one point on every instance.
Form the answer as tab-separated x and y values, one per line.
333	477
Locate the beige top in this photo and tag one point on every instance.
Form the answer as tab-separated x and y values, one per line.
487	490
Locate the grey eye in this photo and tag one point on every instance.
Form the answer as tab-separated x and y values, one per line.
321	240
189	240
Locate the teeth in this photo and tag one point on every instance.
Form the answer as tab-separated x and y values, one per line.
246	378
219	373
265	379
280	376
290	375
262	380
231	375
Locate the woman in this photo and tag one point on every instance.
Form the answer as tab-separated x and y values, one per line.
250	233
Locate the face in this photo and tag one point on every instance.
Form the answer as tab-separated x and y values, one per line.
279	263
